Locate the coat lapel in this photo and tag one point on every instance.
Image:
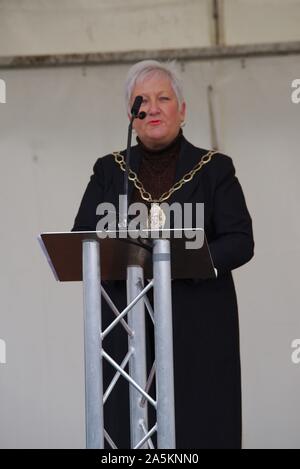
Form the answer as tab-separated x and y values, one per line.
135	160
189	156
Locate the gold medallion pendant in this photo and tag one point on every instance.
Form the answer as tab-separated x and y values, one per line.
157	218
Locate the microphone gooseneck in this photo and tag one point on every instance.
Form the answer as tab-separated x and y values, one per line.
134	115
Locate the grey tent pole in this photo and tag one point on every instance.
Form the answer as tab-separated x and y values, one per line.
92	344
137	361
163	333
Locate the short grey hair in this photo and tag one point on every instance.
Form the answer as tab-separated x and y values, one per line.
139	71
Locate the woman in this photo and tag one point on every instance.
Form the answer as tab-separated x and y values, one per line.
205	316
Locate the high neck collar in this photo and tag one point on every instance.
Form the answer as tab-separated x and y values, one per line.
170	148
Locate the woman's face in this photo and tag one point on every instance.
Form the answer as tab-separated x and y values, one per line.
164	116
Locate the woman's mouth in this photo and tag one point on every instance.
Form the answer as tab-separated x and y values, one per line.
155	122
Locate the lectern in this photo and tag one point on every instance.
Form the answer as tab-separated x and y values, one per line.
132	256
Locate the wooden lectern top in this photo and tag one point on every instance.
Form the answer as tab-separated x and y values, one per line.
119	249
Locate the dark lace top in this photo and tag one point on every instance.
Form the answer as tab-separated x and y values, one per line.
157	168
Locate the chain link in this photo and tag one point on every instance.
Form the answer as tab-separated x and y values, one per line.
132	176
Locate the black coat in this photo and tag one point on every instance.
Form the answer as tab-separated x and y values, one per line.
205	316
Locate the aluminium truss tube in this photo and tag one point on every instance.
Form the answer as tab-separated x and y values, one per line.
163	333
92	344
137	361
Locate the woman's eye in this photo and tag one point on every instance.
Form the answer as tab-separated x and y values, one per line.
164	98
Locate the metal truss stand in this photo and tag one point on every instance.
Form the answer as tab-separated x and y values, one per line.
83	256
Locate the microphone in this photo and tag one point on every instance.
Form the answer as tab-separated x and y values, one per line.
142	115
136	106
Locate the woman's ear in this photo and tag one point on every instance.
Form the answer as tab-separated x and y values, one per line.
183	111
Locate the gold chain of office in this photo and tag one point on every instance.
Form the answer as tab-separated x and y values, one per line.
132	176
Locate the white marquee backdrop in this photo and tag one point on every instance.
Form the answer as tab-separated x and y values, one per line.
56	122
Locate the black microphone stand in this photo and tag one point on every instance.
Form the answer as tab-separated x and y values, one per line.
124	200
127	159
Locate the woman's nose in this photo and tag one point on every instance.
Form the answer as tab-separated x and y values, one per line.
153	107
